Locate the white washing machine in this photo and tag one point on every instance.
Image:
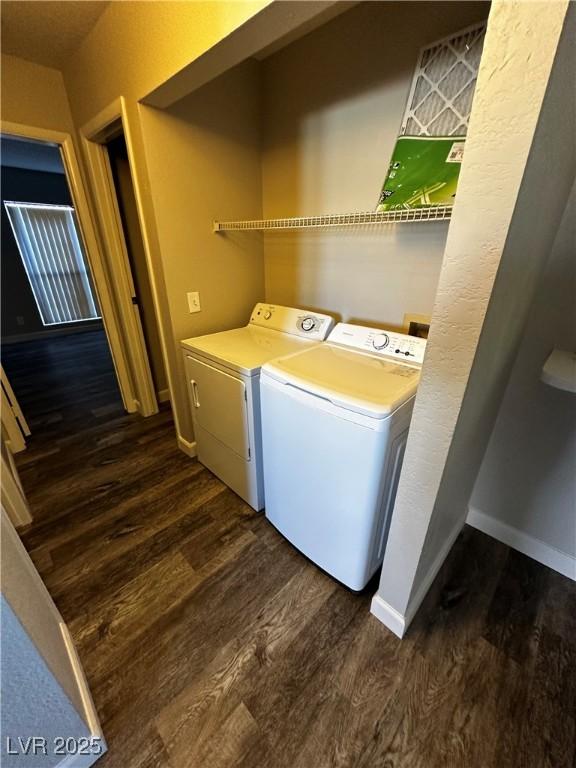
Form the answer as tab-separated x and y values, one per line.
334	424
223	372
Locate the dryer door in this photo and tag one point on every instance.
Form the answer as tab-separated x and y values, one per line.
219	405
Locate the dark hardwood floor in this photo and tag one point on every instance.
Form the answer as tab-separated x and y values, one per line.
63	383
209	641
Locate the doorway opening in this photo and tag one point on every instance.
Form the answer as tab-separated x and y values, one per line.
108	149
128	214
58	371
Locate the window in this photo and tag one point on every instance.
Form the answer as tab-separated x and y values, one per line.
52	255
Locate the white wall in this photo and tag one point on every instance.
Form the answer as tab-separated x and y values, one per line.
203	157
518	170
528	477
333	103
33	703
28	598
44	692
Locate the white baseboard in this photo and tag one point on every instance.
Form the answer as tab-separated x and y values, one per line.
398	622
78	760
163	396
186	446
389	616
90	714
529	545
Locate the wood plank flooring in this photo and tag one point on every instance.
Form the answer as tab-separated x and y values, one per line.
209	641
63	383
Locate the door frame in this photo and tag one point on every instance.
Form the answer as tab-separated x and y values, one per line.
95	134
14	422
94	253
12	494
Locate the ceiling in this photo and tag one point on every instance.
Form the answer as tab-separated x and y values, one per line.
47	31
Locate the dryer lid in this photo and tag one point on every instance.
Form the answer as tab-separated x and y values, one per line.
353	380
246	349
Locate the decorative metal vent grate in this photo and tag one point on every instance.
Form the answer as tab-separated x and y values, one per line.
442	89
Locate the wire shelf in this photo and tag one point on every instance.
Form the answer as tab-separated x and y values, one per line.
433	213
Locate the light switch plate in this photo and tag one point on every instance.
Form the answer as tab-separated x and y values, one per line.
194	302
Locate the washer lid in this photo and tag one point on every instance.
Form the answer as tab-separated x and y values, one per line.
246	349
354	380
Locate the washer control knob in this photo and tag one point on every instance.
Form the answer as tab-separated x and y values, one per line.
381	341
267	315
308	324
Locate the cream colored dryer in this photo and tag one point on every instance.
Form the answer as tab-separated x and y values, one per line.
223	372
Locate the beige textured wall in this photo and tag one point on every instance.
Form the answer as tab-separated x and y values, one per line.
528	480
203	159
518	170
34	95
331	119
134	47
30	601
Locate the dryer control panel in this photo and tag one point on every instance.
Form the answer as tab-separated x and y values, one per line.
389	344
298	322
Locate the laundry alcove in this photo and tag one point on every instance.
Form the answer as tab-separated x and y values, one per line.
301	130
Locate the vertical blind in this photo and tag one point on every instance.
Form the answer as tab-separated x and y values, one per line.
52	255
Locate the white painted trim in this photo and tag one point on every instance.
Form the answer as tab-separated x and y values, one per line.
389	616
398	622
148	229
10	426
112	121
90	714
186	446
78	761
107	124
535	548
104	289
163	396
100	129
13	403
11	492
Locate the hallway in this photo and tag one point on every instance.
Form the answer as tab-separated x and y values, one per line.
63	383
208	640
